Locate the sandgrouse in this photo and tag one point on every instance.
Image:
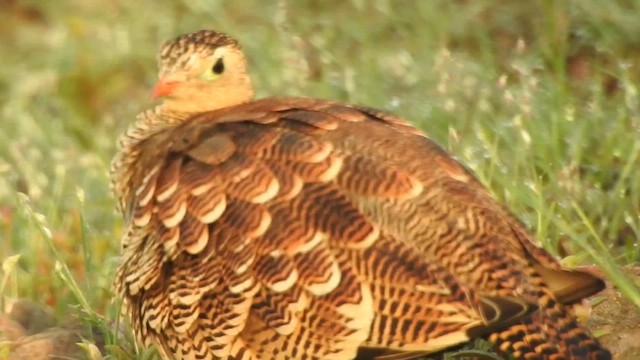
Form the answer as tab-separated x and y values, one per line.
296	228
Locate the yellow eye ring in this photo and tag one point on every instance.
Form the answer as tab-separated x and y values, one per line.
214	71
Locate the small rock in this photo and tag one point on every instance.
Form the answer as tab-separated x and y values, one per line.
10	329
33	317
53	343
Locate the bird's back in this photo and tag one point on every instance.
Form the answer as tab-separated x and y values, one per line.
299	228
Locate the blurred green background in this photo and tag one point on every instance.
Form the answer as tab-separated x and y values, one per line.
539	98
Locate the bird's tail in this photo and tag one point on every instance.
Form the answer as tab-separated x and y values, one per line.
551	333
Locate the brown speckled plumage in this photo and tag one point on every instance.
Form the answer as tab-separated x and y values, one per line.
290	228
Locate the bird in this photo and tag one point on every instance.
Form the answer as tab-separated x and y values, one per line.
302	228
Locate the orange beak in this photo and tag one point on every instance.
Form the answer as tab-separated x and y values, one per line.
164	88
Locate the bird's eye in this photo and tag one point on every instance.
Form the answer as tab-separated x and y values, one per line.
218	67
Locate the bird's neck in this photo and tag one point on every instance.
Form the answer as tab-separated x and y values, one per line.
148	123
168	113
189	101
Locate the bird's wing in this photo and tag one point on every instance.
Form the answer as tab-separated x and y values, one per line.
307	229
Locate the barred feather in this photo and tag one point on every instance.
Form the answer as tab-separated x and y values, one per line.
296	228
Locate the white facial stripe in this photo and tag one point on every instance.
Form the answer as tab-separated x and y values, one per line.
219	52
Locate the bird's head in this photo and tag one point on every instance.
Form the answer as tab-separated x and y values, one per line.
202	71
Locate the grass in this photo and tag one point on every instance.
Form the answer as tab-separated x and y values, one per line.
539	98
